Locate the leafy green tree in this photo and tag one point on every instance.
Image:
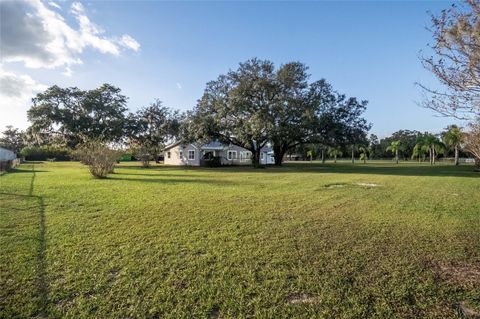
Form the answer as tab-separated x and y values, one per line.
310	154
452	139
75	115
335	152
432	145
375	148
236	108
394	147
419	150
12	139
150	128
296	117
256	104
407	138
364	151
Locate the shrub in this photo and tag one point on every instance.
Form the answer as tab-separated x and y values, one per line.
143	154
215	161
99	157
45	152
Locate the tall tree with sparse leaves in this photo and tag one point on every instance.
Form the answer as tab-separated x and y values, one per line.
455	61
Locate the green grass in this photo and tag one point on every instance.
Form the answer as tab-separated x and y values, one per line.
169	242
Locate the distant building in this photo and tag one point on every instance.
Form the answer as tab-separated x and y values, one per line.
195	154
8	159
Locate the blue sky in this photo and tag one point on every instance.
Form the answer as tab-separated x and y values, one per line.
365	49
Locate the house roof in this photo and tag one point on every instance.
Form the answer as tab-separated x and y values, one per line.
214	145
172	145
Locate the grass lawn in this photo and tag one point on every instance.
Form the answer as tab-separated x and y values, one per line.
305	240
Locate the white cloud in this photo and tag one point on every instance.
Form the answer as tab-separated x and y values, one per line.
55	5
16	92
129	42
179	86
37	36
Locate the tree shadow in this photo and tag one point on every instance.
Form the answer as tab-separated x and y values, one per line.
161	174
410	169
187	180
41	284
22	171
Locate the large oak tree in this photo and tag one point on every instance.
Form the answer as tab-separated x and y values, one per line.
257	104
74	115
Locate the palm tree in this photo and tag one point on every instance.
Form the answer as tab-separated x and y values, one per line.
435	146
452	139
310	154
394	148
334	152
364	153
420	150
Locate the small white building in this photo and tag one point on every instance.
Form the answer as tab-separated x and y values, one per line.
194	154
7	155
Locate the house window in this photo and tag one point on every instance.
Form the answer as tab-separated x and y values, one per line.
261	156
181	154
231	155
191	155
169	154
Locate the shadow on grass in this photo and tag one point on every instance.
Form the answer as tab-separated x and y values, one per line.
22	171
41	284
160	174
369	169
385	168
185	180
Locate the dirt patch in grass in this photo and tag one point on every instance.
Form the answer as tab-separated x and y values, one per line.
459	273
368	185
301	298
340	185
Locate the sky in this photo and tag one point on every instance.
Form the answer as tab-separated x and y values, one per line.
170	50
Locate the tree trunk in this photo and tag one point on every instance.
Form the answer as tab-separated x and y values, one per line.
353	155
256	158
456	155
430	155
335	158
323	156
279	153
396	155
433	157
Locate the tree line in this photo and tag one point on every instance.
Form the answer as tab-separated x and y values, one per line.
406	145
251	106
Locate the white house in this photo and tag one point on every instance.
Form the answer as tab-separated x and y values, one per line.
194	154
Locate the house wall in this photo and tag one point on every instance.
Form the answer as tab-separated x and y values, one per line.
6	155
242	156
179	155
266	158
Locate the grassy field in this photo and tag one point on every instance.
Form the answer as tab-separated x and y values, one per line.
305	240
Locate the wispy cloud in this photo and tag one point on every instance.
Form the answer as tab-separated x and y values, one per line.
179	86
